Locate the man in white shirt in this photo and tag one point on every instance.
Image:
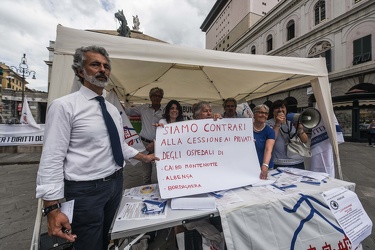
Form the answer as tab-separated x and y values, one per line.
150	114
79	162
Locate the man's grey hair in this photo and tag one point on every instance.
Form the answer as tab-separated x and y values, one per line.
261	106
79	58
197	108
155	90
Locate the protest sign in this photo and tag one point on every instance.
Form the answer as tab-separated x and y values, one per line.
201	156
20	134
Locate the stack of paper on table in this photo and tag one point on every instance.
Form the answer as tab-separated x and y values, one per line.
201	201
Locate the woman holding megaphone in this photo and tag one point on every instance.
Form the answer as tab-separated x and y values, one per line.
283	129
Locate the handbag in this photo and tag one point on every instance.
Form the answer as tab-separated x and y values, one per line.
295	148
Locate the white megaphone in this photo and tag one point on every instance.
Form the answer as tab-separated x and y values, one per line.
309	118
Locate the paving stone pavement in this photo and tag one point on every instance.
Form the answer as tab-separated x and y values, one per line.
18	203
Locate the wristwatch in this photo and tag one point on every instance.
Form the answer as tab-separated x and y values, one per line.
46	210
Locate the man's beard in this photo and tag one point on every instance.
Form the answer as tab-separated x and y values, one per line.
93	80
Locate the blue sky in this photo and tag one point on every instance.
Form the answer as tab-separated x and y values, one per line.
27	26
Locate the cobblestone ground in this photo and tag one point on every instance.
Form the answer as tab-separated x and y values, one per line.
18	204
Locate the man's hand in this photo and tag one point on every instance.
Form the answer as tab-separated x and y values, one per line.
158	125
150	158
59	226
146	158
150	147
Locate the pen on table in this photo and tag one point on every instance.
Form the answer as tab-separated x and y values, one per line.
311	182
289	186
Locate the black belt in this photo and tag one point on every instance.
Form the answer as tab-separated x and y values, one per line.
112	176
108	178
145	140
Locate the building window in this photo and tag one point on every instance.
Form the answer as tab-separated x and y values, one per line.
253	51
269	43
320	11
357	1
322	49
362	50
327	56
291	30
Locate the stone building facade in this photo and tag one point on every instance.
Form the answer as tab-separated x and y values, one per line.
341	31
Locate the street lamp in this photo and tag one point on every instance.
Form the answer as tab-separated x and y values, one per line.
24	71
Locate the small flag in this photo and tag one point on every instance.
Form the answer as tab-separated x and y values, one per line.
26	116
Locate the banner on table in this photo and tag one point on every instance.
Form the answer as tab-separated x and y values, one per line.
303	222
201	156
21	134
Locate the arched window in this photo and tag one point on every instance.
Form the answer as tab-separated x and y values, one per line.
291	30
322	49
253	50
320	11
269	43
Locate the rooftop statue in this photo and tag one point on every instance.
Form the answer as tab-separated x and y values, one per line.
123	30
136	23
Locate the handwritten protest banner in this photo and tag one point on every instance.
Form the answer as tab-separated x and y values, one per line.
201	156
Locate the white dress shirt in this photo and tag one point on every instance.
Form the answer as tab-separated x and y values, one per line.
76	143
148	117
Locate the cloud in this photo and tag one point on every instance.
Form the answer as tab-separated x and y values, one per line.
28	25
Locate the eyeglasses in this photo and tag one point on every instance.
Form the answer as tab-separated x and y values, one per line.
230	106
262	113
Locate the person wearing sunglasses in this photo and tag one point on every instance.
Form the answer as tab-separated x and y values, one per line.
264	138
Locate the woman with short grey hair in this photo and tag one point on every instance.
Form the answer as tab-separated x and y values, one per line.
203	110
264	138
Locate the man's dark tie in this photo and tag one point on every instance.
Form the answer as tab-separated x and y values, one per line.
113	133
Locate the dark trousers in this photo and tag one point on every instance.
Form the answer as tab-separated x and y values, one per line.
95	205
371	137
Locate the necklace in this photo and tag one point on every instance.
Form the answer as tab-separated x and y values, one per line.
258	130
